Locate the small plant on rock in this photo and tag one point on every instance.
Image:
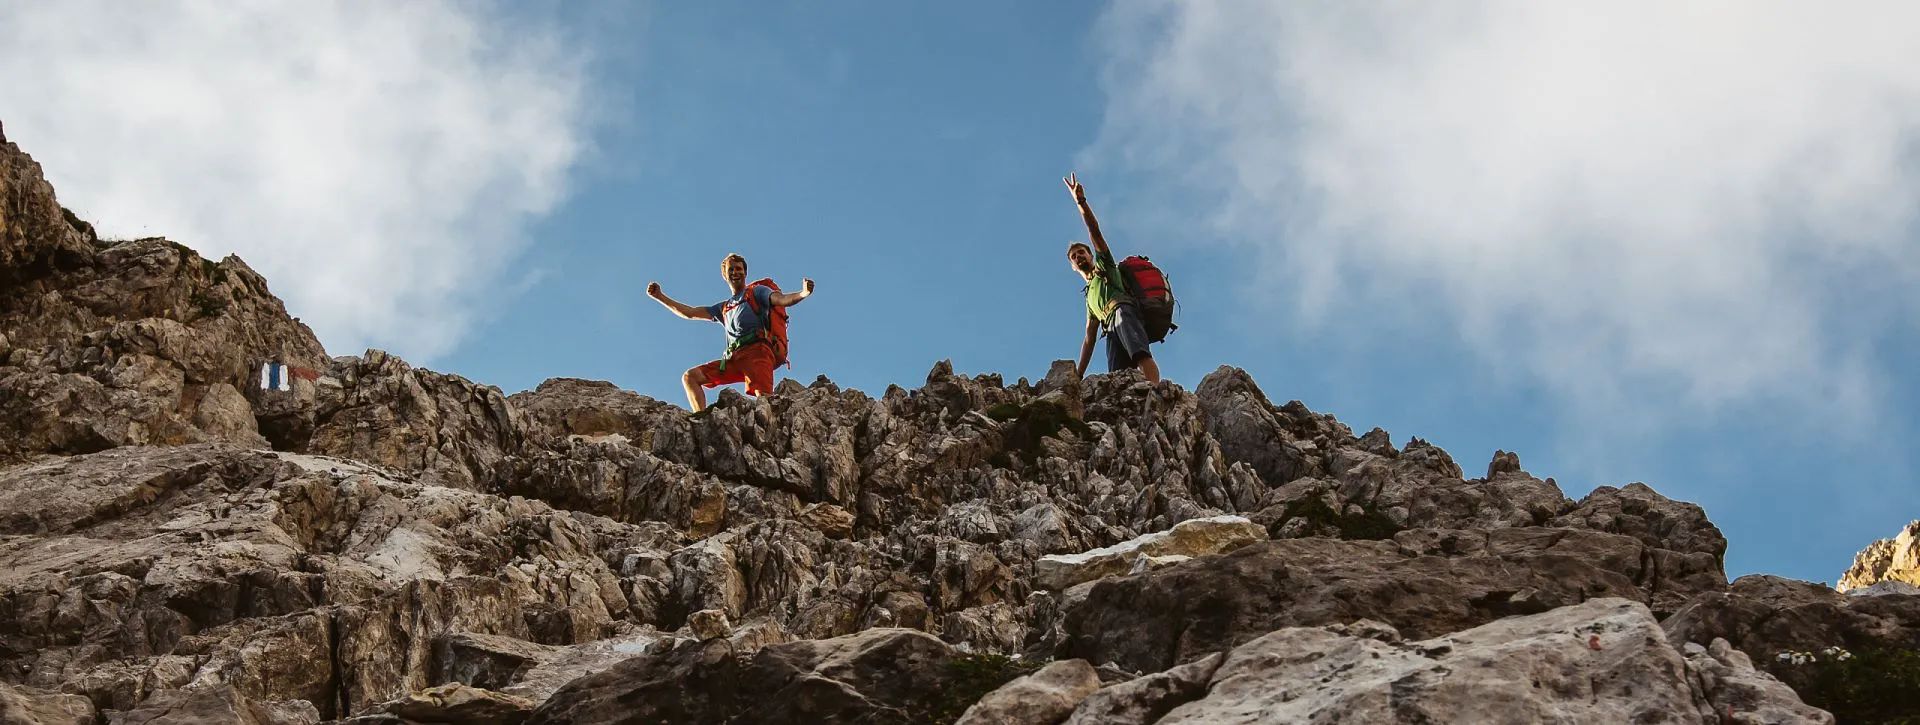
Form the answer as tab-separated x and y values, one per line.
1875	685
970	677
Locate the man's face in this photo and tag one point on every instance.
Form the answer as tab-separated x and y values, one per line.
1082	261
735	272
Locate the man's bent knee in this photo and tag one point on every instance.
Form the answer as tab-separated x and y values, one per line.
694	376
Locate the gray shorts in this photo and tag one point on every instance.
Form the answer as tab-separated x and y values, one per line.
1126	338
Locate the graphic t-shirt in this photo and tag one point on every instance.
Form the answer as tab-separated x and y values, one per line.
739	318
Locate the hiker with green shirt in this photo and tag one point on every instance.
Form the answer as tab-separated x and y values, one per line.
1110	306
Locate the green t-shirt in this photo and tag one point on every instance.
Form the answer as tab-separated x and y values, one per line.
1107	289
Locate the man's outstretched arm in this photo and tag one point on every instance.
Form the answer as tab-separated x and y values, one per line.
686	312
1086	346
789	299
1086	214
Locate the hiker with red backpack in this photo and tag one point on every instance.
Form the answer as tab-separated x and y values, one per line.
755	318
1129	300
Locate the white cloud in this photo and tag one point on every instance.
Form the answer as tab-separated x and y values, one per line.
378	162
1632	201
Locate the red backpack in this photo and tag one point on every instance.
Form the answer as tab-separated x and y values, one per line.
775	333
1148	285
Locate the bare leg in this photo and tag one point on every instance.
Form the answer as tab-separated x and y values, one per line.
1150	369
696	397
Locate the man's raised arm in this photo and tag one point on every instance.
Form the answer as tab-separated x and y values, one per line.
686	312
789	299
1086	213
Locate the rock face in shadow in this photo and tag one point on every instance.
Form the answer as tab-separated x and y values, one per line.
385	543
877	675
1426	582
1604	660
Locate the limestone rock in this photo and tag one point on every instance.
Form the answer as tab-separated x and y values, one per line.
878	675
1194	537
1144	700
835	522
1725	681
487	661
1425	582
443	428
457	704
217	704
1604	660
1046	697
283	576
32	706
411	528
562	407
709	624
1887	560
126	343
1764	616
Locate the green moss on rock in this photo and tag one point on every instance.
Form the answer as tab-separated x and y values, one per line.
969	678
1877	685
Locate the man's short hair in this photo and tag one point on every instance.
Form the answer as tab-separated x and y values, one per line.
1078	245
731	257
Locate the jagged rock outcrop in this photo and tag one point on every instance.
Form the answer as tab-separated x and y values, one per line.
1888	560
124	343
1771	619
385	543
877	675
1601	661
1427	582
1042	698
32	706
289	577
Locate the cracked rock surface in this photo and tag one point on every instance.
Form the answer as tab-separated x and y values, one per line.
386	543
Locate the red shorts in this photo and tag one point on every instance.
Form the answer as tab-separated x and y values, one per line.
752	365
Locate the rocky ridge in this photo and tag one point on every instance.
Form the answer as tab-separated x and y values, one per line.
391	544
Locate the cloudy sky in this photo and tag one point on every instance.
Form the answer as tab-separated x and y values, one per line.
1631	241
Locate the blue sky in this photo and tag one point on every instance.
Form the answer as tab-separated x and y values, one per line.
1628	246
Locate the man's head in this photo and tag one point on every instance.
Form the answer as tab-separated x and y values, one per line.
1081	257
734	269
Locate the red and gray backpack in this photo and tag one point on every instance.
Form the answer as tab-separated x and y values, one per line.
775	330
1148	287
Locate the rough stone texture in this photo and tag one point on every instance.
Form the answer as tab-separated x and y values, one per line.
1193	537
1887	560
1763	616
457	704
1426	582
222	704
286	576
414	528
32	706
1144	700
1732	690
709	624
124	343
574	662
1043	698
486	661
443	428
878	675
1601	661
